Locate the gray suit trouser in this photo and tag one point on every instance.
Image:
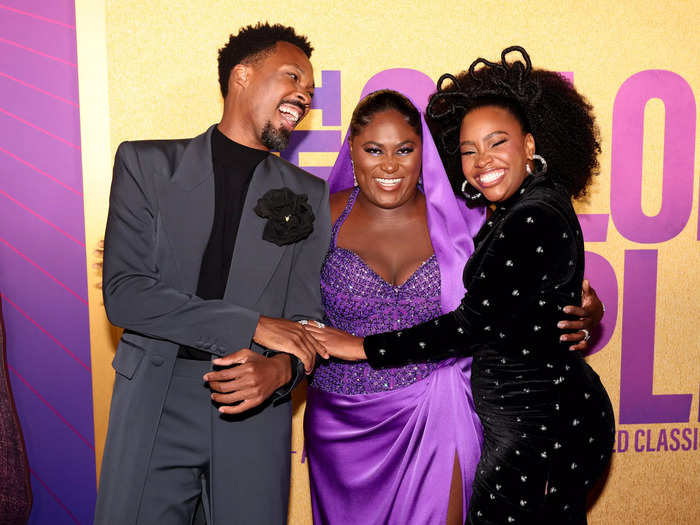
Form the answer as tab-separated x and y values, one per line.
181	461
178	472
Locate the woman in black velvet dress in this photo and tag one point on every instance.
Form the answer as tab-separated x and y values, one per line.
548	422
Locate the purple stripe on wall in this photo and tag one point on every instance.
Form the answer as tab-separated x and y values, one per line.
38	170
48	334
37	193
43	111
39	296
44	271
62	12
39	71
57	158
57	501
36	127
38	89
39	34
42	256
43	432
47	246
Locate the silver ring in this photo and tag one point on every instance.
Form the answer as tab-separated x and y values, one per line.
587	336
306	321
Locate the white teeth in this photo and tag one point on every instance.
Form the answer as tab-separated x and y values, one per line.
486	178
291	111
388	182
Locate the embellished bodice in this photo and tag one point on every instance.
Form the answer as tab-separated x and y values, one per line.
359	301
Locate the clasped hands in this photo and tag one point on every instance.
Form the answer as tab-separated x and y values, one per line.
350	348
256	377
250	378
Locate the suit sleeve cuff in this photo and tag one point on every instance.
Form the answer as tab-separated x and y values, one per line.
283	393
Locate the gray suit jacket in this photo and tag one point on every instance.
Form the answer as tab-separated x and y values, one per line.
160	217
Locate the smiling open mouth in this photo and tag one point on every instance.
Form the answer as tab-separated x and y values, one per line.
291	113
389	183
491	177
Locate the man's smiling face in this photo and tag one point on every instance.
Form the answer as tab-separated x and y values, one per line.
280	89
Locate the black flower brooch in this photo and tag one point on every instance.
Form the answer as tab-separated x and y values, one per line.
289	216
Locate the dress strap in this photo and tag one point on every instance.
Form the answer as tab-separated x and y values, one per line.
341	219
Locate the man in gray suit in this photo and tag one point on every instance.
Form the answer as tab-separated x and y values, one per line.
214	245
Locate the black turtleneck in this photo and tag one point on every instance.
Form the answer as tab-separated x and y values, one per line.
234	165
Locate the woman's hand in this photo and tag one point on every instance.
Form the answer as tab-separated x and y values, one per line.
288	336
589	315
337	343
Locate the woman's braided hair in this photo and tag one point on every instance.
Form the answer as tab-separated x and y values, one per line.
546	104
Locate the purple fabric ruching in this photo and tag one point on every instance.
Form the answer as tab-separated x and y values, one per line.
387	458
382	443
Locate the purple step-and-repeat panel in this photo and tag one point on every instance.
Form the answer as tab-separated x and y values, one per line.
42	255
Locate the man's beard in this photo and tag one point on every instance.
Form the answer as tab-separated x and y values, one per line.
275	139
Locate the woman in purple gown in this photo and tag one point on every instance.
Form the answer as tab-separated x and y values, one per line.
384	445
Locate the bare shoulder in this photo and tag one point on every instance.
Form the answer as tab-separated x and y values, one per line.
338	201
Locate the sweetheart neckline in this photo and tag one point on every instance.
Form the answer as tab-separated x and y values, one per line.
364	263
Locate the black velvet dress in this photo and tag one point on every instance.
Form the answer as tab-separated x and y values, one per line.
548	422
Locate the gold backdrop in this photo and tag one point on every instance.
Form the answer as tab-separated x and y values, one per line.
148	70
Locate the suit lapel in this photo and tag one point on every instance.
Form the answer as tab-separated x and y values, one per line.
254	260
188	208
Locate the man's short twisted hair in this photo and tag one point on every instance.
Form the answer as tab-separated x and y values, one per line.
252	43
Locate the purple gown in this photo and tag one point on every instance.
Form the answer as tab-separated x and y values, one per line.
381	444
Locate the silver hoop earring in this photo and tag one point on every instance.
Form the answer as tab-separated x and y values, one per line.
468	195
543	169
528	169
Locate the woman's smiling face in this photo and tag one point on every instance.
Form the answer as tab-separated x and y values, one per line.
387	157
494	151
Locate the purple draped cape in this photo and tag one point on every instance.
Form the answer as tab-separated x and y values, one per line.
386	455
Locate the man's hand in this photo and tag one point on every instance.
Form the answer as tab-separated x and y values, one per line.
290	337
338	343
251	382
99	257
589	315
